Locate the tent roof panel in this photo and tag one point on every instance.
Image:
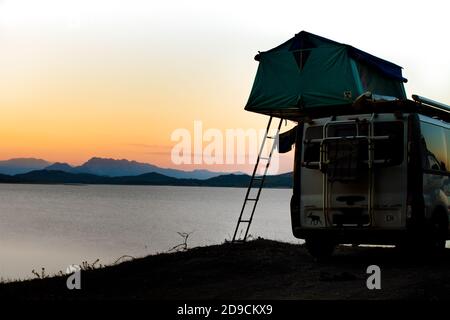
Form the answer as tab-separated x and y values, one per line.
307	40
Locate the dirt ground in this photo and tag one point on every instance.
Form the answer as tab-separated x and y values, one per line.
259	269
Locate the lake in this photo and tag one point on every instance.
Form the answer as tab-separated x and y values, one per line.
54	226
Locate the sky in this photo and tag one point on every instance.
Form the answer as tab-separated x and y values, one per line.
116	78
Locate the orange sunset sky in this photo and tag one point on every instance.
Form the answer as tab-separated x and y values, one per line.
116	78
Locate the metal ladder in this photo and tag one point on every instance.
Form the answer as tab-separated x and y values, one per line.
370	138
254	201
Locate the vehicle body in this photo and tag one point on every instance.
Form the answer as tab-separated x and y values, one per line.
372	178
371	166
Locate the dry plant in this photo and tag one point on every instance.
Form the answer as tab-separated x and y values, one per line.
182	246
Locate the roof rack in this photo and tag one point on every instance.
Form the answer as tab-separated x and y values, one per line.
369	104
431	103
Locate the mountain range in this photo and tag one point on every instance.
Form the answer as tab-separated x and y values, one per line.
22	165
61	177
123	172
101	167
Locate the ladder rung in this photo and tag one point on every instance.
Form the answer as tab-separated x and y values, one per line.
245	221
252	199
257	178
264	158
271	137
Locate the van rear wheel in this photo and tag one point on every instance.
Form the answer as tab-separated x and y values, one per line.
438	233
320	248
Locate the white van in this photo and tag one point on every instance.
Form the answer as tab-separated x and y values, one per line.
373	177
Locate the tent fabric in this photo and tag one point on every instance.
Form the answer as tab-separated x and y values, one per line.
387	68
309	71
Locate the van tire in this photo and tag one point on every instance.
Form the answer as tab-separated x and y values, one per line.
438	232
320	248
430	241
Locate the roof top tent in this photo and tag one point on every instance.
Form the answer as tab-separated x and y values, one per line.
309	73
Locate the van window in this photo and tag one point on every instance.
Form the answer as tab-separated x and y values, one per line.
447	140
349	130
312	150
434	142
391	149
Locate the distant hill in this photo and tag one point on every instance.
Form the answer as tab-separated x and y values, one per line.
242	180
61	177
229	180
153	178
123	167
8	179
21	165
58	177
62	166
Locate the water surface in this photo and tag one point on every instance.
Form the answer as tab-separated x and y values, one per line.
53	226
